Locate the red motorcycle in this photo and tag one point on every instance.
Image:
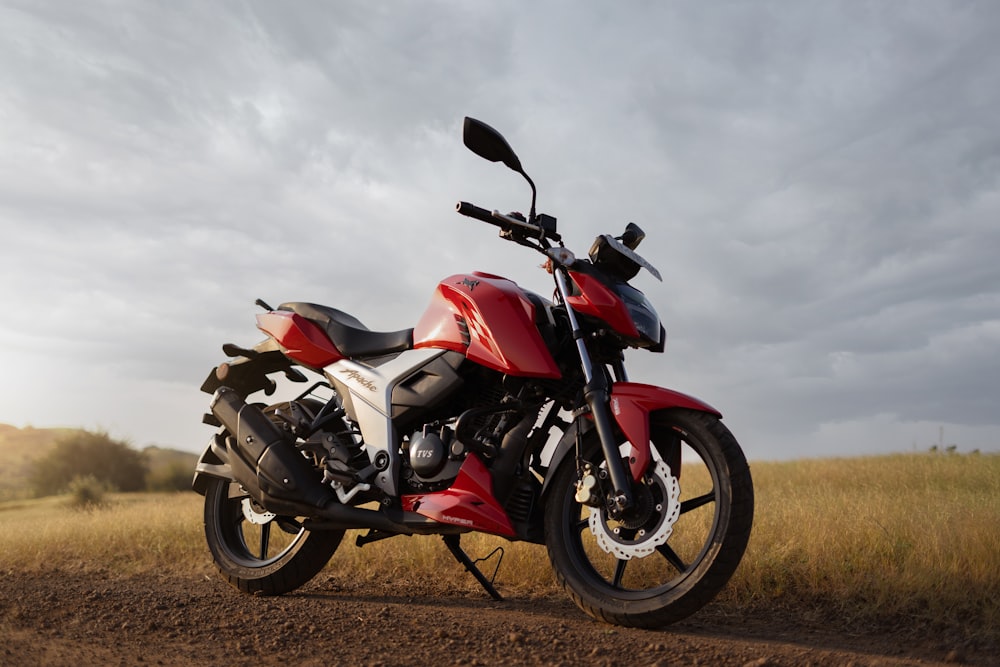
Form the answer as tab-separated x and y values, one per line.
500	412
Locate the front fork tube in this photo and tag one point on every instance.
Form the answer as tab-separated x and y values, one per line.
598	400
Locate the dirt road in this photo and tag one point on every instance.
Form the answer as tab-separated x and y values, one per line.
89	619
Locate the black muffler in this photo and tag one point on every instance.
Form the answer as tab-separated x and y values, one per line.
264	459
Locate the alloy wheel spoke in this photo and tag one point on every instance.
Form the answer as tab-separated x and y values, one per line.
672	557
619	573
265	538
695	503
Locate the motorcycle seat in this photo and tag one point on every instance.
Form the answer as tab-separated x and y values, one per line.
348	334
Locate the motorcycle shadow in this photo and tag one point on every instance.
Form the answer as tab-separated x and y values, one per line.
414	594
719	625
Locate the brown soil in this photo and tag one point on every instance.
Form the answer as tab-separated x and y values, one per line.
104	619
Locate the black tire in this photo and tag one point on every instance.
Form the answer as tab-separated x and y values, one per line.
705	546
269	558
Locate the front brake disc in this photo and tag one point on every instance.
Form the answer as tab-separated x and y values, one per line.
627	539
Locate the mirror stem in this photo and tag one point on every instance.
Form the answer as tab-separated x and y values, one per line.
531	213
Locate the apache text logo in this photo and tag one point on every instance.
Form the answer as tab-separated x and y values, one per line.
360	379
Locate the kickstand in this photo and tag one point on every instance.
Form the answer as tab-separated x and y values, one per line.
452	542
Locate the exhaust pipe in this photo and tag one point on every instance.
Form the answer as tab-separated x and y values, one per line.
262	456
276	475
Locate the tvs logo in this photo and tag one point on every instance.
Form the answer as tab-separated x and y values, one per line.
360	379
471	284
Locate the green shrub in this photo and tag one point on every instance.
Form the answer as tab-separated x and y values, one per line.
84	453
86	492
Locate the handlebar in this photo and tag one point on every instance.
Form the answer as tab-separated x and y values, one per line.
473	211
497	218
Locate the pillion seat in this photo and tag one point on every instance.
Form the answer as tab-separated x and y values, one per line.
351	337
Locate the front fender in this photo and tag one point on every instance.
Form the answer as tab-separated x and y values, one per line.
631	403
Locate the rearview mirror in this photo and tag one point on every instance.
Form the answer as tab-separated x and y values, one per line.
489	144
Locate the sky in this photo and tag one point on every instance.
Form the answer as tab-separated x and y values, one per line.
819	183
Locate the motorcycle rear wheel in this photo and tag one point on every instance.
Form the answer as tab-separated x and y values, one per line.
612	577
257	552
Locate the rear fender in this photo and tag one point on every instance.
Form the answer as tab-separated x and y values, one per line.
249	374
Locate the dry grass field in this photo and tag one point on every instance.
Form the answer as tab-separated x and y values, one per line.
905	539
910	537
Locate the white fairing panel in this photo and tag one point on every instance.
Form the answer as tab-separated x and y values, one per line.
370	392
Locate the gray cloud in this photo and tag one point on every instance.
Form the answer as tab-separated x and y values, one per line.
818	185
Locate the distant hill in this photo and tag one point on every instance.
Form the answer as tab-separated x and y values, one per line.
20	447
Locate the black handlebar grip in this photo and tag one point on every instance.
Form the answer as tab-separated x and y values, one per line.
473	211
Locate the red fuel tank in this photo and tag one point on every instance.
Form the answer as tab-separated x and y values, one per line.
489	320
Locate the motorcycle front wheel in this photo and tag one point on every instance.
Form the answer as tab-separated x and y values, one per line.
677	547
258	552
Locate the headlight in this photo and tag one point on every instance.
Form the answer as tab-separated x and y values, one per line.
644	316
